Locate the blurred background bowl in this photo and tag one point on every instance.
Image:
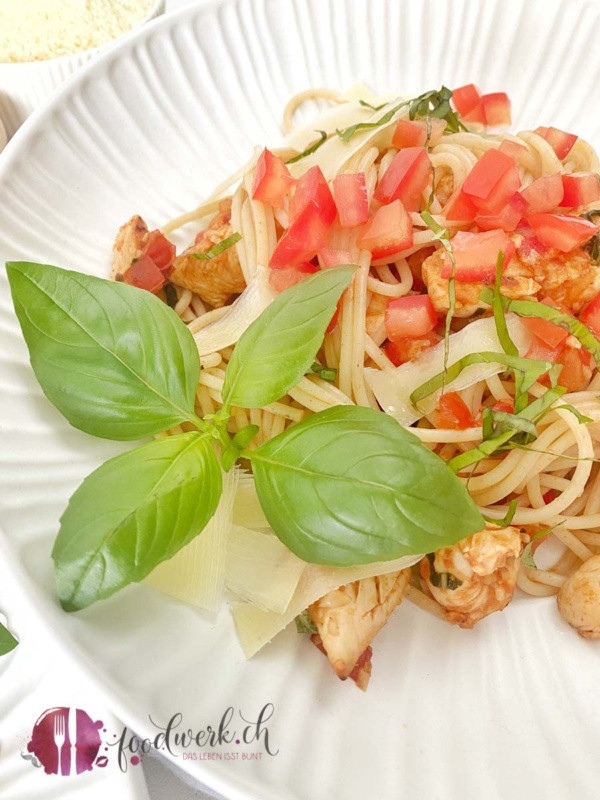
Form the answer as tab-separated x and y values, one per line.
26	84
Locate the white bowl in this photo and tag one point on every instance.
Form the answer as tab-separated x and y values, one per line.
24	85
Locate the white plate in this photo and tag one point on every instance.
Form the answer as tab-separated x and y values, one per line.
151	127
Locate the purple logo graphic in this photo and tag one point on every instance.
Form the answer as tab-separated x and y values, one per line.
66	741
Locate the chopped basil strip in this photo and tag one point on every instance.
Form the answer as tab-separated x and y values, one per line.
436	104
310	149
581	418
527	555
530	308
218	248
348	133
442	235
326	373
507	519
373	108
529	367
493	445
304	623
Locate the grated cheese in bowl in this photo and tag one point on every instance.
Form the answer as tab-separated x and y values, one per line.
37	30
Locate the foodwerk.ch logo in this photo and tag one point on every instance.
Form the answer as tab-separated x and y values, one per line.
68	741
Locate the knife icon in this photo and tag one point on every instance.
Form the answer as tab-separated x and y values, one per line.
72	741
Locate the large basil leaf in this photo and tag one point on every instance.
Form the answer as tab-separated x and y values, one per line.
350	486
280	346
7	641
133	512
115	360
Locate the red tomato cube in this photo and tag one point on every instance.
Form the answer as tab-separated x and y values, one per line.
543	194
406	178
508	219
333	258
281	279
144	274
476	255
492	182
313	189
560	141
512	148
590	316
496	108
389	231
160	250
272	180
466	98
549	333
351	200
453	413
580	188
410	316
459	207
563	233
418	132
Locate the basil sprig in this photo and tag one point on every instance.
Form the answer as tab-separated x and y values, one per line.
345	486
7	641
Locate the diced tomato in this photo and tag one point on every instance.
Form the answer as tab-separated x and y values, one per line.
580	188
576	368
144	274
272	180
418	132
560	141
160	250
496	108
476	255
312	213
459	207
409	317
333	258
507	220
281	279
406	178
548	497
389	231
477	114
547	331
530	248
544	194
506	406
467	101
403	350
336	315
564	233
590	316
350	191
540	351
512	148
492	182
453	413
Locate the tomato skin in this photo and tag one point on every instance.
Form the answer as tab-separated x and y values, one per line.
352	202
406	177
272	180
160	250
413	133
144	274
411	316
282	279
453	413
459	207
389	231
465	98
512	149
333	258
563	233
312	213
590	316
496	108
492	182
403	350
560	141
580	188
507	220
544	194
476	255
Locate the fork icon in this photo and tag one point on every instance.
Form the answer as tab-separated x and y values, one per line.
59	739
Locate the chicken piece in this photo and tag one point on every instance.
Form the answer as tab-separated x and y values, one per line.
131	238
217	279
579	599
476	576
534	272
348	618
361	674
375	318
444	185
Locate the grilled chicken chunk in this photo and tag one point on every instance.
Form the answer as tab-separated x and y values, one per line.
348	618
579	599
476	576
130	240
215	280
